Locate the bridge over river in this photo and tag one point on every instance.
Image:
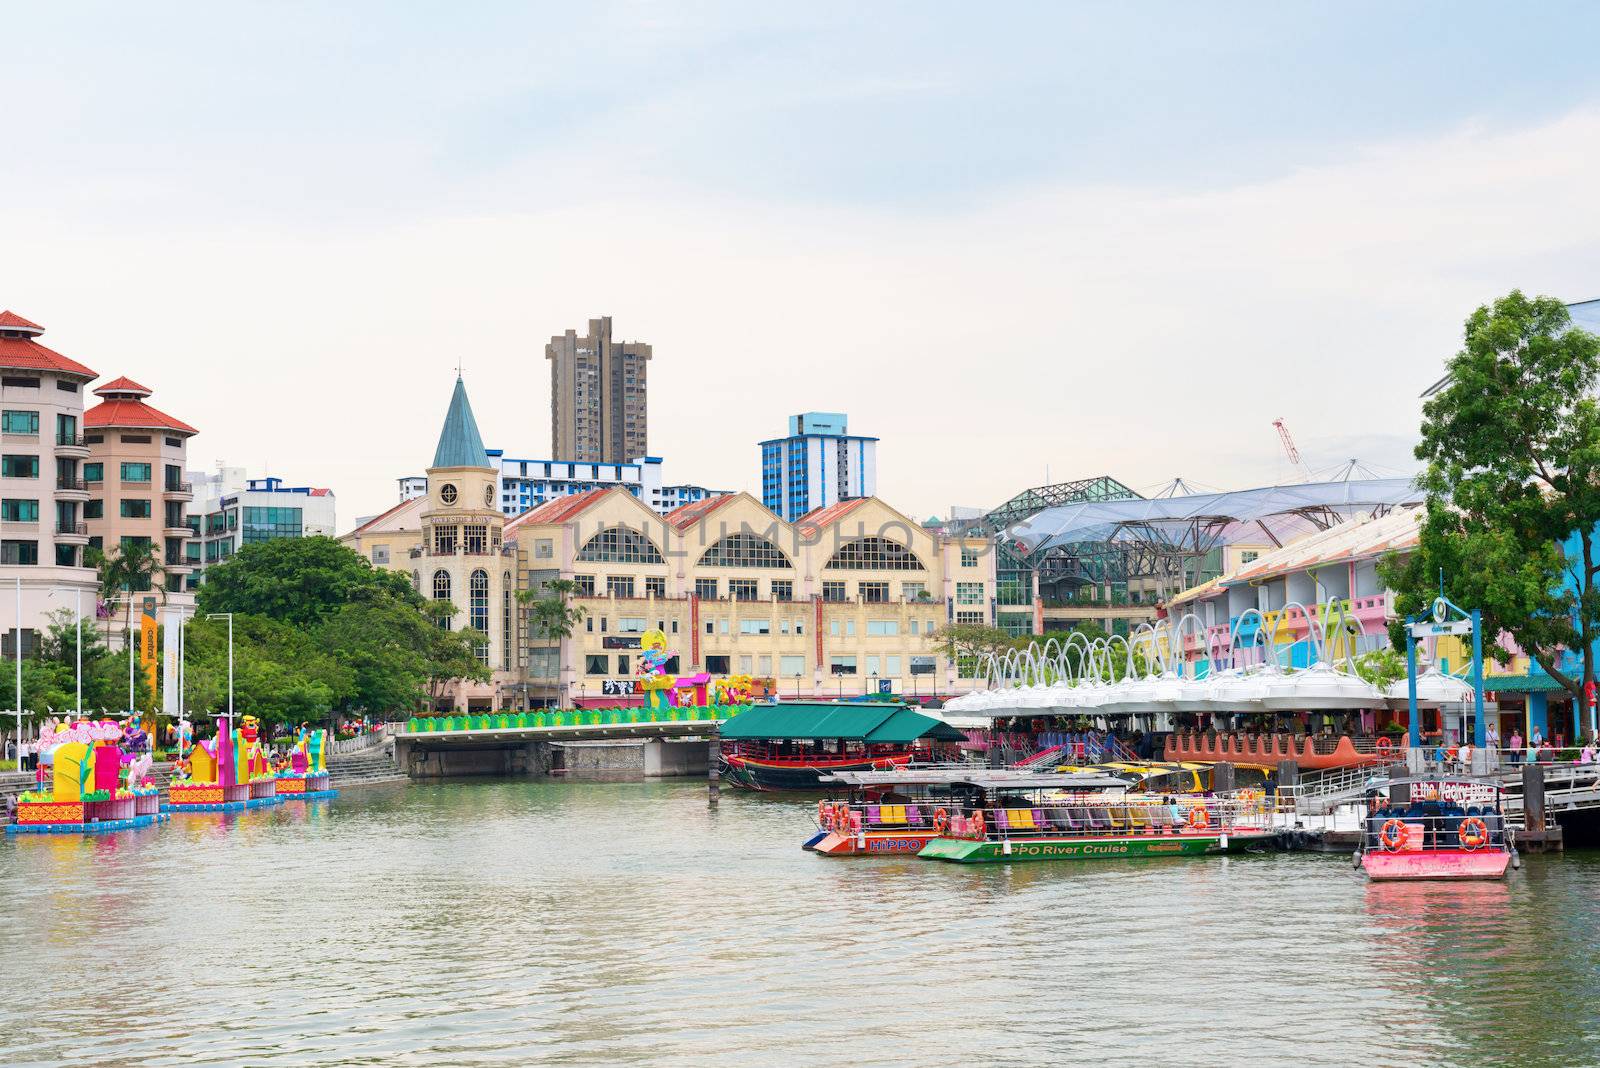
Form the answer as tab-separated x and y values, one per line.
669	741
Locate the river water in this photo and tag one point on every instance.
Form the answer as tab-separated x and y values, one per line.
519	922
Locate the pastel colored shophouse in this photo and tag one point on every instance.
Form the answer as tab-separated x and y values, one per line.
1333	574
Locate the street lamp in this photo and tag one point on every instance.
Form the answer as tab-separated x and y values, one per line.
797	685
229	617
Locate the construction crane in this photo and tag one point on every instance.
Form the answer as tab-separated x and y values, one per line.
1289	449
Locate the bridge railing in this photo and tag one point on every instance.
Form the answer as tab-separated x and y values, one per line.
570	717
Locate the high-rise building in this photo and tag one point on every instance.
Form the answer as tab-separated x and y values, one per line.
233	511
136	473
42	535
598	395
818	464
527	484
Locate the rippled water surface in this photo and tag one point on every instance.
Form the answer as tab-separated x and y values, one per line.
503	923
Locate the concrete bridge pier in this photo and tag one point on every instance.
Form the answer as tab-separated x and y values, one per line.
419	760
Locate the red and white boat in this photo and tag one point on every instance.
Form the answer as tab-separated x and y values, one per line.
1436	827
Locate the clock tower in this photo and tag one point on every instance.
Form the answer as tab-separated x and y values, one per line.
461	530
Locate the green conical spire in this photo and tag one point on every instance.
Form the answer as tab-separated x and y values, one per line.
459	442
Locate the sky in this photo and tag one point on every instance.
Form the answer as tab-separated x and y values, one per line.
1014	242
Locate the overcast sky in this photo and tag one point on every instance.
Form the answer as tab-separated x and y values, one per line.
1008	239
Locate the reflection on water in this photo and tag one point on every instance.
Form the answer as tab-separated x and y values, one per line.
519	922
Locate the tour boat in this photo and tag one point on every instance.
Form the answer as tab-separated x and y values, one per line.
898	812
1035	818
793	745
1436	827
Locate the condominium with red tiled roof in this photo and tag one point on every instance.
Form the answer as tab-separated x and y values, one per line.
135	473
42	493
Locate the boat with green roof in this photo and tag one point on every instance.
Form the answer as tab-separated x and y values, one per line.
793	745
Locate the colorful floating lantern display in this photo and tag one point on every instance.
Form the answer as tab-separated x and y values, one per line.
304	774
226	773
88	783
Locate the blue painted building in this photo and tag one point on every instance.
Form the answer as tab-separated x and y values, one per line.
819	463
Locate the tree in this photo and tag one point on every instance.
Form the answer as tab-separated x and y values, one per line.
134	568
967	643
550	616
1512	448
299	580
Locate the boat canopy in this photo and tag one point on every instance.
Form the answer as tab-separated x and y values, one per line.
1058	781
877	723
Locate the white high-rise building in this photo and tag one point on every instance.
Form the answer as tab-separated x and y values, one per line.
818	464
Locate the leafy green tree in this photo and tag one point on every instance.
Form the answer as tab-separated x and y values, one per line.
1512	448
551	616
299	580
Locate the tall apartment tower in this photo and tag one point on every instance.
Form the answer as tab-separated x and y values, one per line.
819	464
598	394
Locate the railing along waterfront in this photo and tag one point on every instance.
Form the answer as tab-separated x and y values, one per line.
569	717
366	740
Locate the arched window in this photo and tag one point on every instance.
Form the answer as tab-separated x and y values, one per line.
505	621
478	610
874	554
441	592
619	545
744	550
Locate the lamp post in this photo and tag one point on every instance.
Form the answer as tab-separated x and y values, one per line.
797	685
229	617
19	672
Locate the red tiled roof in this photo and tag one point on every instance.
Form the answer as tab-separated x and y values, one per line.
11	320
122	385
561	509
818	518
134	413
687	515
381	516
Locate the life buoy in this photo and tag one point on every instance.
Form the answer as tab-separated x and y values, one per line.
1199	819
1385	747
824	815
1394	835
1473	833
941	821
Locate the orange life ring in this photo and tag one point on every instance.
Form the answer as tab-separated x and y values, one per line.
1473	833
1385	747
941	821
841	817
1199	819
1394	835
824	815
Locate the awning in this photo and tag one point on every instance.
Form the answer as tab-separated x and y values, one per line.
800	721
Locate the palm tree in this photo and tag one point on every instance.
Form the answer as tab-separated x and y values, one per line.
134	568
549	617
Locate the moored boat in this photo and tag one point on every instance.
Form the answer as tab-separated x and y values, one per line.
1036	819
1436	827
793	745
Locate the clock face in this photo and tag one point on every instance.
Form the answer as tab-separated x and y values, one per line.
488	496
447	493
